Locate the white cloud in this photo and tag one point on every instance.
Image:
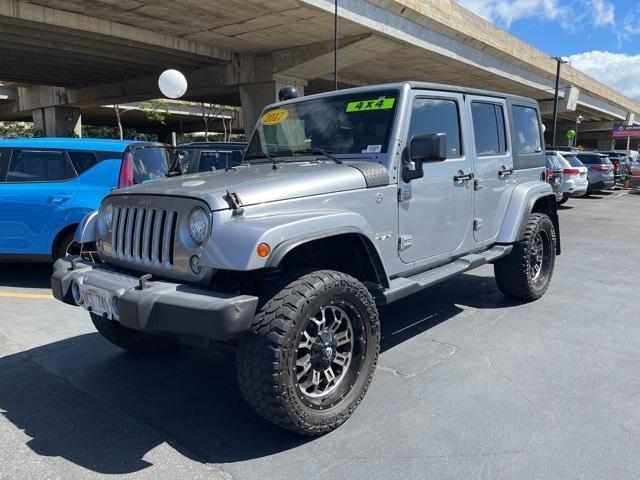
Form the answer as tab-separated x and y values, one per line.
618	70
505	12
569	14
603	13
630	26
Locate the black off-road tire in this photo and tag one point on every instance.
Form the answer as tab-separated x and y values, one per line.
266	356
129	339
515	274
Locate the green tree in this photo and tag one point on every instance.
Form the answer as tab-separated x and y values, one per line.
17	130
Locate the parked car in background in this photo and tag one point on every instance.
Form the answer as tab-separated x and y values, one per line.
600	172
48	185
206	156
634	174
574	175
620	165
554	175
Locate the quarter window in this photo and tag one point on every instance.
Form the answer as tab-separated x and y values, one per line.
527	130
431	115
489	128
39	166
82	161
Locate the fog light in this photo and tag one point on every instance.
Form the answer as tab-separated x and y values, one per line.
194	264
114	307
76	293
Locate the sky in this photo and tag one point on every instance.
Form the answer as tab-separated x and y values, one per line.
599	37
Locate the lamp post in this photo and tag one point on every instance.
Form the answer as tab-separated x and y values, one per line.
579	120
559	61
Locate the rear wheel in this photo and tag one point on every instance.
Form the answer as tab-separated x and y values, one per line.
526	272
128	339
66	247
309	361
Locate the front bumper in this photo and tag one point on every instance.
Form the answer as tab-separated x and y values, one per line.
159	307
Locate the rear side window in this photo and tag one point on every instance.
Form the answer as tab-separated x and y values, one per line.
82	161
431	115
5	156
39	166
489	128
527	130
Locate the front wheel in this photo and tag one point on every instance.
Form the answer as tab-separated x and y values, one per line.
526	272
312	353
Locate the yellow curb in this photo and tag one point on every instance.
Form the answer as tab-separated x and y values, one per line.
45	296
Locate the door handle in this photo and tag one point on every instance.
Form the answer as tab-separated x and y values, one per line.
462	177
505	172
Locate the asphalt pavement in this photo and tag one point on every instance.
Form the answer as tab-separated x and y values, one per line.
470	384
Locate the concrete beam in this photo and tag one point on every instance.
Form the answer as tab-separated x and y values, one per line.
315	61
19	10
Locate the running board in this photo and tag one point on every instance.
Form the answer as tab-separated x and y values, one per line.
404	286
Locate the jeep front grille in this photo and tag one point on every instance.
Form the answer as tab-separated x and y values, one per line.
144	235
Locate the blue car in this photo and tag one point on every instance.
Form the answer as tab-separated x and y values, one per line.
48	185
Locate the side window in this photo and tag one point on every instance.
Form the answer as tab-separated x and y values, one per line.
489	128
527	130
431	115
5	156
39	166
82	161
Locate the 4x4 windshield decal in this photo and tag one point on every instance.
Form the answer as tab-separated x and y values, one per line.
367	105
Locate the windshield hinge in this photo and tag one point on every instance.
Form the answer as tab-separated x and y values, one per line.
235	202
404	242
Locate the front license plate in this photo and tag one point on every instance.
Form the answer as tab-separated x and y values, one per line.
97	301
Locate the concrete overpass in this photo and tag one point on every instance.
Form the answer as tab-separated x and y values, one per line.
69	55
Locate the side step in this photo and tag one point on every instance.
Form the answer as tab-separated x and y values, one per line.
404	286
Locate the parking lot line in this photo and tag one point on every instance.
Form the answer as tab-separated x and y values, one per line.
44	296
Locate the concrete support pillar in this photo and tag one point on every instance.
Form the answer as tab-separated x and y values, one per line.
255	96
58	121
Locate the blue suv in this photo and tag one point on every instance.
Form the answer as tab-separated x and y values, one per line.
48	185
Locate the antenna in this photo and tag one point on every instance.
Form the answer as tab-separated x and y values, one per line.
335	45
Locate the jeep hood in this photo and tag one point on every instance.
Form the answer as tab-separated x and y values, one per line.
258	183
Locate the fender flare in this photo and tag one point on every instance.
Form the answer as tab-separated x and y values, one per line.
523	199
87	230
283	249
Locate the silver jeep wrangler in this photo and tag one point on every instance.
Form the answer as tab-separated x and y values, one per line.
343	202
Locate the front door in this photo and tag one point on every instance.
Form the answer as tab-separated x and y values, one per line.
435	219
494	164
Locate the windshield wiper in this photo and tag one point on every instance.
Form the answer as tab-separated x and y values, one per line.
317	151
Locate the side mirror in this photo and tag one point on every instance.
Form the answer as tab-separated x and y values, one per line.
428	147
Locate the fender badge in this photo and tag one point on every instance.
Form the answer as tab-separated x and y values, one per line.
384	236
379	197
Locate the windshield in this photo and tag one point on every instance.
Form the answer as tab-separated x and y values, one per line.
341	124
154	163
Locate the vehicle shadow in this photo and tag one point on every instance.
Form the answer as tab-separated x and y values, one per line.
69	396
25	275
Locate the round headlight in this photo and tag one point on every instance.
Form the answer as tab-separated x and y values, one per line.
198	225
107	215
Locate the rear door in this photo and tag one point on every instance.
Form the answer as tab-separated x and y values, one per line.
38	187
493	164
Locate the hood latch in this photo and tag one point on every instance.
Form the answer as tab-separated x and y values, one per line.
235	202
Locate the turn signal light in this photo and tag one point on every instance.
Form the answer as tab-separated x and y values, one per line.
263	250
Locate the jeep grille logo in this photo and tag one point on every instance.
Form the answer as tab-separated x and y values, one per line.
144	203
